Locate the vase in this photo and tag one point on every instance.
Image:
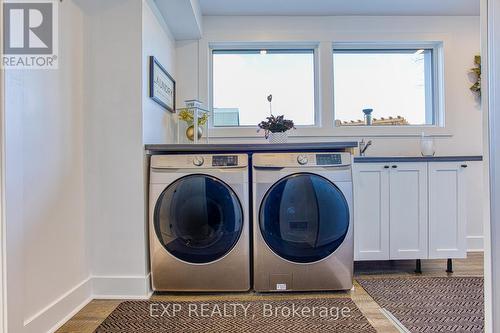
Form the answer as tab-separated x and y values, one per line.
427	146
280	137
190	132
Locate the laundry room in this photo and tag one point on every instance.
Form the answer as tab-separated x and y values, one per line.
248	166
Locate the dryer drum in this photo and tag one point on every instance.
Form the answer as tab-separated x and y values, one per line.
198	218
304	218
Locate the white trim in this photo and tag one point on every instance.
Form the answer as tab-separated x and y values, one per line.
434	91
3	260
121	287
492	260
54	315
325	128
161	19
70	315
399	326
486	182
475	243
315	46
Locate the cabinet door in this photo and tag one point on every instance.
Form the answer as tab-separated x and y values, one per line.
408	211
447	210
371	211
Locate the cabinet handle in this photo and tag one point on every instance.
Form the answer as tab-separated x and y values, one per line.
463	166
394	166
386	167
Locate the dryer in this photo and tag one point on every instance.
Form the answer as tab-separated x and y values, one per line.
199	228
302	230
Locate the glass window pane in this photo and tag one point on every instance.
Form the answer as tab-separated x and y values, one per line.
396	84
198	219
243	79
304	218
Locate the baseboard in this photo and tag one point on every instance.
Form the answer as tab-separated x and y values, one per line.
61	310
475	243
121	287
54	315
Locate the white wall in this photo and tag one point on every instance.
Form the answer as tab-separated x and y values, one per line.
114	193
462	134
76	194
159	125
47	266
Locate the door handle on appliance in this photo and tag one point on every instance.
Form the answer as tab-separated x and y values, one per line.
464	166
386	167
267	167
394	166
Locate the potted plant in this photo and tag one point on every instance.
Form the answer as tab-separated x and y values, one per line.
275	127
187	115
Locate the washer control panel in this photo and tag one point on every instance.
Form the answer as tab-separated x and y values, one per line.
224	160
201	161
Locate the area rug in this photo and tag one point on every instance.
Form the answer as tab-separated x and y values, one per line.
431	304
297	315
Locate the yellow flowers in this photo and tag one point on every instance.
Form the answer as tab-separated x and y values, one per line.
187	115
476	87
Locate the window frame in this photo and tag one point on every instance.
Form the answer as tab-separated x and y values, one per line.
435	108
257	47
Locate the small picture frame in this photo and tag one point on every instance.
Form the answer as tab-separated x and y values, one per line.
161	85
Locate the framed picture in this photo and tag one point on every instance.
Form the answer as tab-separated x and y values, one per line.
161	85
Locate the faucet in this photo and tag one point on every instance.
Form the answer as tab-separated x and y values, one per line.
363	146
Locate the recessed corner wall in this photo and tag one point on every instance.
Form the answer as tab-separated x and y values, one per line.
159	125
114	151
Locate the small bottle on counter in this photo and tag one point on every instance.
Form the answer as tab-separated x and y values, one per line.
427	145
368	116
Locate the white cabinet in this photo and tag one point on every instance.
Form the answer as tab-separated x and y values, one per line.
371	212
447	219
409	210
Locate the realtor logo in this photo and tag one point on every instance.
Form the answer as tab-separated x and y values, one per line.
30	34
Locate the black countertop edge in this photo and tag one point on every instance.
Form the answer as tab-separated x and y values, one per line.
376	159
249	147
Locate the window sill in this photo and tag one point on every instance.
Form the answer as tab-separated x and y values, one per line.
333	132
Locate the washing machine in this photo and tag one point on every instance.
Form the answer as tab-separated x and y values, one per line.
199	228
302	230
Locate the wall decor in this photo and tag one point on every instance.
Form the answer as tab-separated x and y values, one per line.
161	85
476	87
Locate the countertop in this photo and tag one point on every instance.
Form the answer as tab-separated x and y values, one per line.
388	159
249	147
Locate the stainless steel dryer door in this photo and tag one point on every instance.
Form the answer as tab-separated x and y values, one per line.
304	218
198	219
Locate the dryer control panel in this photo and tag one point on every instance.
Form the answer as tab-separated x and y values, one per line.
328	159
287	160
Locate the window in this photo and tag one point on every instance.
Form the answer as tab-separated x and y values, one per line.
242	80
398	84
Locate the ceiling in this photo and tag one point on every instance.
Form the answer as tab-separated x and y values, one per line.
340	7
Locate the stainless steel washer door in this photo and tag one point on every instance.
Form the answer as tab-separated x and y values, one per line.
304	218
198	219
